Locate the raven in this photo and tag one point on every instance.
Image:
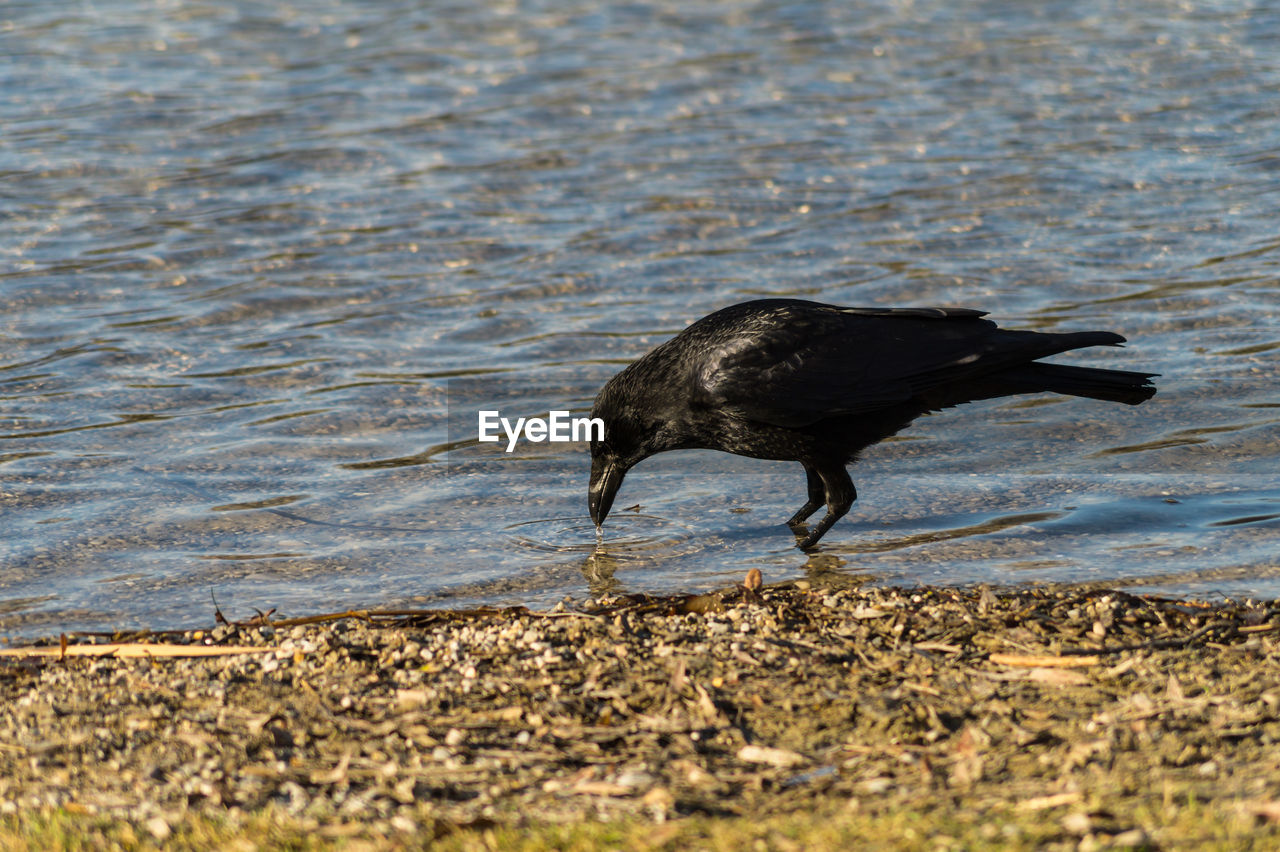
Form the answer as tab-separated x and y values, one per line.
802	381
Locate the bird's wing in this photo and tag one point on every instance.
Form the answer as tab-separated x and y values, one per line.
795	366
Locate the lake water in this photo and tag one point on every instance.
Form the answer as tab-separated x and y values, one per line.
261	262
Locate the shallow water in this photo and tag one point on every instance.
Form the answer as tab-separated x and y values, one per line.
262	262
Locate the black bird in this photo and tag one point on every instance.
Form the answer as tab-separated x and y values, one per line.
803	381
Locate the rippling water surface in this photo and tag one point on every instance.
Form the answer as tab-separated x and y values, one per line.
256	260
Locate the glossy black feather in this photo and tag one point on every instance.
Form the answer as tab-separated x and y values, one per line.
815	383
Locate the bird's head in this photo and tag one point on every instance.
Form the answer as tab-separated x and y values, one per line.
607	471
633	431
622	447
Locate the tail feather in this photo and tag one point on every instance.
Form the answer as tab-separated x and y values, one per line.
1093	382
1030	345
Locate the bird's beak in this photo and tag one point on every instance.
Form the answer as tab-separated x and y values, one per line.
606	478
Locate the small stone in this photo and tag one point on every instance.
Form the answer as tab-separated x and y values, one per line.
1130	838
1077	823
159	828
635	778
877	785
403	824
659	800
772	756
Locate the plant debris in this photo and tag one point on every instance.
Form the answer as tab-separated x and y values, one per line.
755	700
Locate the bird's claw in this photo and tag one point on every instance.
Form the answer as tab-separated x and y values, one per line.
805	540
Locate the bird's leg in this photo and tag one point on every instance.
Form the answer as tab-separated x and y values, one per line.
840	496
817	496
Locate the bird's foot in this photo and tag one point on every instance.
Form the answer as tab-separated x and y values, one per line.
809	541
805	538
